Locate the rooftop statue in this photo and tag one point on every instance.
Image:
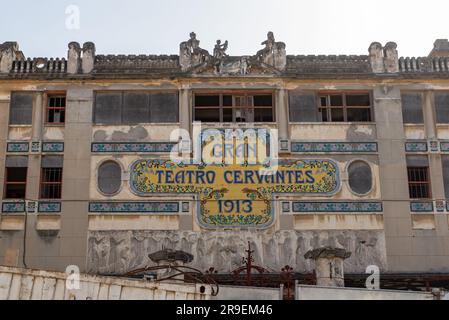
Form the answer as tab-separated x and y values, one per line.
219	54
274	53
191	54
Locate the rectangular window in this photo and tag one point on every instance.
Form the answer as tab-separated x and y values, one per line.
418	177
345	107
21	110
412	108
15	177
233	107
445	164
302	107
51	177
127	108
55	109
442	107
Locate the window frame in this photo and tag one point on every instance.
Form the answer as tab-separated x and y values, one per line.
55	94
32	108
6	183
344	107
427	182
235	94
42	184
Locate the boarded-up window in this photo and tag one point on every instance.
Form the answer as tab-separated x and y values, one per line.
21	111
442	107
118	108
109	177
136	108
360	177
445	163
303	108
164	107
412	108
108	108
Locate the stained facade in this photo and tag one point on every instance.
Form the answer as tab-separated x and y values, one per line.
87	178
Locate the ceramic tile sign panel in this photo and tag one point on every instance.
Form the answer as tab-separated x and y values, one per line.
234	196
52	147
337	147
416	146
17	147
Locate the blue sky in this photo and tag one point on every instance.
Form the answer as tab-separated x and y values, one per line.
158	26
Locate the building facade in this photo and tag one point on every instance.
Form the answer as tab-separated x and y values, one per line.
88	179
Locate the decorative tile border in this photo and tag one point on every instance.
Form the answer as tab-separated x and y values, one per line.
416	146
53	147
49	207
346	147
17	147
337	206
134	207
421	206
132	147
13	207
285	206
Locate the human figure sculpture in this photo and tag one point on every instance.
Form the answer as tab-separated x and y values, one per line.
274	53
191	54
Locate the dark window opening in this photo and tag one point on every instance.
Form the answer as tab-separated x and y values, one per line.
345	107
51	183
419	182
233	108
15	184
56	109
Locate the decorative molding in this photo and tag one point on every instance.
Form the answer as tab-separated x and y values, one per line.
186	207
53	147
134	207
299	206
339	147
13	207
36	146
141	147
49	207
17	147
416	146
421	206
